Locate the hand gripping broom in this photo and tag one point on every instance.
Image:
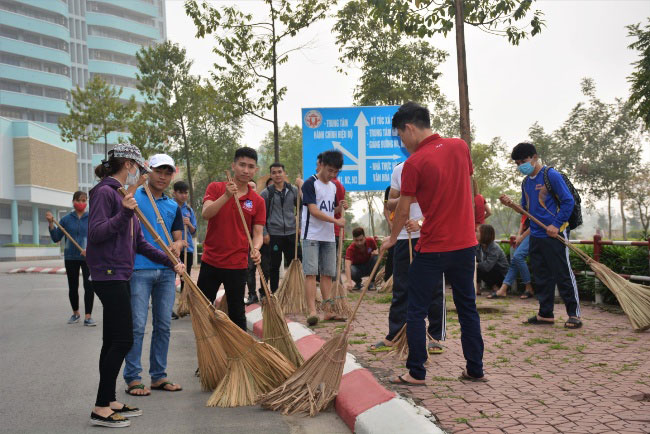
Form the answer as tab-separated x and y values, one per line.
291	294
217	337
316	383
633	297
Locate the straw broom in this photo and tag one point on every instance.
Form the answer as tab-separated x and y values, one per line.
183	308
340	304
387	286
316	383
400	343
275	330
291	294
633	297
211	357
217	337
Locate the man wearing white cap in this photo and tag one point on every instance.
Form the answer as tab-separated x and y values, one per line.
154	281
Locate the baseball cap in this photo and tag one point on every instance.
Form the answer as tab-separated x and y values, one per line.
131	152
161	160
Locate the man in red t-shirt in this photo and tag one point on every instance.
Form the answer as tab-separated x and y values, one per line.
226	249
360	257
437	174
481	208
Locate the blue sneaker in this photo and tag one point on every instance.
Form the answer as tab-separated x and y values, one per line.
74	319
90	322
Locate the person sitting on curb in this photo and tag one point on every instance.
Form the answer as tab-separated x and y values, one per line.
492	262
360	258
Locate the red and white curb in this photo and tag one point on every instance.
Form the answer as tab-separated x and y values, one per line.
363	404
39	270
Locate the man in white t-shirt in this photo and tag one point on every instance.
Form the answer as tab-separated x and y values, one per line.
401	262
317	229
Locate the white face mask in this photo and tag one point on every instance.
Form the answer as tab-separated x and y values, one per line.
131	178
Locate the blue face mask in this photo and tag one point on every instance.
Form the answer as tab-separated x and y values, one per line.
526	168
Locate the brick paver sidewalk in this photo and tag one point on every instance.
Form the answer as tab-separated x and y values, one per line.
542	379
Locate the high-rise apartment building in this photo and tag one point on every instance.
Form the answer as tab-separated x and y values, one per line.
47	48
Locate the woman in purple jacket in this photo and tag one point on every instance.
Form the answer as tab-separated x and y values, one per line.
114	237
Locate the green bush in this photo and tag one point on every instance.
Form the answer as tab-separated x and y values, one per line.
29	245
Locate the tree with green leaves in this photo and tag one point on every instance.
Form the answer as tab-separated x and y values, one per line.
428	18
640	78
96	111
290	141
602	144
250	51
394	69
639	195
170	93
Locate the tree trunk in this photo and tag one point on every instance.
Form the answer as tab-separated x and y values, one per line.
621	198
186	148
276	138
609	215
463	93
105	145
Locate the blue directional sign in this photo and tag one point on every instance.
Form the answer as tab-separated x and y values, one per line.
364	136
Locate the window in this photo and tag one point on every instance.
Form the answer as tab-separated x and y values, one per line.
29	11
109	9
52	118
11	112
34	90
122	36
11	86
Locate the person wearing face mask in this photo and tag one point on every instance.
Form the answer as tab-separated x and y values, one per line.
76	224
114	237
549	258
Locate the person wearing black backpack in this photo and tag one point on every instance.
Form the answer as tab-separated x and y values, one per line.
549	196
281	199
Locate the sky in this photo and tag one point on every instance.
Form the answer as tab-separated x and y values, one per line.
510	87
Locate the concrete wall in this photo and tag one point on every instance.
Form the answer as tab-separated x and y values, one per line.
41	164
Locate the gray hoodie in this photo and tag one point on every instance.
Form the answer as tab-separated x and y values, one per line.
280	210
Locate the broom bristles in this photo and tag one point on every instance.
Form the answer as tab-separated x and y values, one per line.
387	286
183	308
340	295
291	294
312	387
275	331
223	305
400	348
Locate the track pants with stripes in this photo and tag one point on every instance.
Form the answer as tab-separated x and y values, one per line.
549	260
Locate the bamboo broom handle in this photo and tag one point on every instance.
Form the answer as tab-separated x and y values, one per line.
363	292
185	249
165	249
161	222
509	203
410	249
58	225
250	240
295	247
339	258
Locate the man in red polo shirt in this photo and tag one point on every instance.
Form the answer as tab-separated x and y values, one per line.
437	174
226	249
360	257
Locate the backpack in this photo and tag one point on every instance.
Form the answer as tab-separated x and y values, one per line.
271	191
575	219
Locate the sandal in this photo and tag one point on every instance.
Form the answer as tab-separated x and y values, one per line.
162	387
535	321
435	348
493	294
527	295
312	320
573	323
138	386
379	347
465	376
402	382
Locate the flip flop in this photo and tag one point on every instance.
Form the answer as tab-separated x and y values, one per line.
465	376
379	347
140	386
573	323
534	321
402	382
493	294
435	348
162	385
527	295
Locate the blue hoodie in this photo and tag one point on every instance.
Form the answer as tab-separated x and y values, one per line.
78	230
114	235
537	200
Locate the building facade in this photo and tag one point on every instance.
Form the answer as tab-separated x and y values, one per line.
47	48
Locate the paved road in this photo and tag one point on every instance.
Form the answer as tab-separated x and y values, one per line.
48	373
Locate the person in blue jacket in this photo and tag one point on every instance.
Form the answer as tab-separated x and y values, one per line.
549	257
76	224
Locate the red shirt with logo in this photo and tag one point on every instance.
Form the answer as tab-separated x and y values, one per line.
361	256
479	209
340	195
226	244
438	175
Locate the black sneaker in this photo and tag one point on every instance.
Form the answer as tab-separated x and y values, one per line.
113	421
128	411
174	316
252	299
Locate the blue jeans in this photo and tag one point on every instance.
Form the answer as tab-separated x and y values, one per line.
518	263
160	286
425	285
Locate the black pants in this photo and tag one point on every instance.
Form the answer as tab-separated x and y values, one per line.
234	282
265	251
359	271
281	245
388	267
72	272
493	277
117	335
549	260
399	304
188	266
